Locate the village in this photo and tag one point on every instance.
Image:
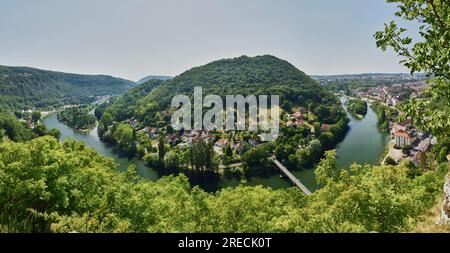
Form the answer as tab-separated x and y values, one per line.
231	143
391	95
409	143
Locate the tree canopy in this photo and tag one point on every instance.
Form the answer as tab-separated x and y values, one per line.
48	186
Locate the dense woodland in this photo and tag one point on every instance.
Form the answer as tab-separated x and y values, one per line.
49	186
261	75
384	115
123	107
23	88
357	107
78	117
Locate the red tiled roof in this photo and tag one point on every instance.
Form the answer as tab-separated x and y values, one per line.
297	114
405	123
402	134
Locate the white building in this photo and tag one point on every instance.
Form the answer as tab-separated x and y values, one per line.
403	139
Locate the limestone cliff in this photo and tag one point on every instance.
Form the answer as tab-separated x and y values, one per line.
445	208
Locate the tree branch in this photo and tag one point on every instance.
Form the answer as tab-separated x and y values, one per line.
441	22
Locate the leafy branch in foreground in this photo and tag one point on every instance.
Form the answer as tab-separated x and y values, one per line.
431	54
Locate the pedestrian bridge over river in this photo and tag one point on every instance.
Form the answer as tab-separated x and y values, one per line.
291	176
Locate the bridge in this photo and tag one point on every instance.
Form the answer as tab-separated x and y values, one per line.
291	177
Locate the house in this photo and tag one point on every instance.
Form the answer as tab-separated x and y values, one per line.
424	145
210	137
325	128
150	130
403	139
30	123
134	123
239	147
222	143
298	115
189	133
299	122
402	126
303	110
172	139
295	123
290	123
254	142
416	159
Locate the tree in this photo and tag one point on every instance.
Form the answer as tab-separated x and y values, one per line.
36	116
40	130
125	138
51	186
201	155
152	160
228	151
55	133
389	161
327	170
161	149
256	159
430	54
171	160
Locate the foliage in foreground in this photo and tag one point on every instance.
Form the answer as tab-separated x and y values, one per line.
430	53
46	186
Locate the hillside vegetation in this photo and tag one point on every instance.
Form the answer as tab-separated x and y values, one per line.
260	75
22	87
47	186
150	78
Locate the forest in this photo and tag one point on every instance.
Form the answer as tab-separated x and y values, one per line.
26	88
357	107
260	75
77	117
384	115
47	186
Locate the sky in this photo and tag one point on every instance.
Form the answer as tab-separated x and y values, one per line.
136	38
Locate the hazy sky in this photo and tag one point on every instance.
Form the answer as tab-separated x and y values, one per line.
135	38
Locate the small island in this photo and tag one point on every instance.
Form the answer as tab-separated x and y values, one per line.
78	118
357	107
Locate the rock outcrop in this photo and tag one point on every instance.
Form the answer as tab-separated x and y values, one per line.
445	208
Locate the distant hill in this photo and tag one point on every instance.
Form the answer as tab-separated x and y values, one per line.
123	106
23	87
148	78
243	75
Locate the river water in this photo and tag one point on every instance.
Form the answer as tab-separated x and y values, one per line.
363	144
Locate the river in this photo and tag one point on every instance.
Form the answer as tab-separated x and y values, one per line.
362	144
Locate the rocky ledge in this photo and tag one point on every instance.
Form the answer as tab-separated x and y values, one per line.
445	208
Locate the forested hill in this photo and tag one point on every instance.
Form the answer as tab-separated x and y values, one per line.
23	87
243	75
150	78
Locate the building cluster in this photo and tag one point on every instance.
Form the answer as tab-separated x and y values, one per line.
411	141
369	77
190	137
295	119
393	94
134	123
